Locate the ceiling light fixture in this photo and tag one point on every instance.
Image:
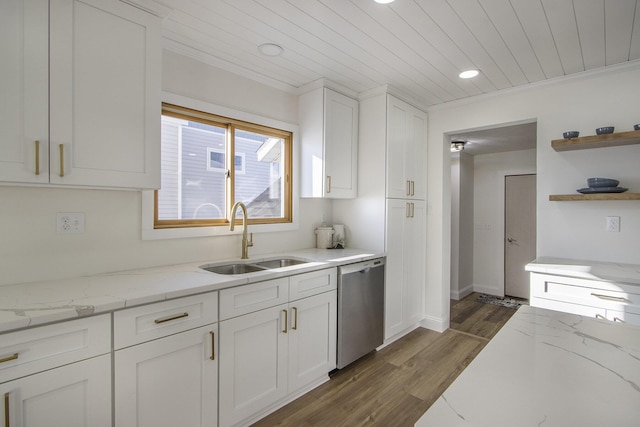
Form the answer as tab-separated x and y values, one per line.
270	49
384	1
457	145
468	74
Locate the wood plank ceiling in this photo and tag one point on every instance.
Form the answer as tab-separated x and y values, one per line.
417	46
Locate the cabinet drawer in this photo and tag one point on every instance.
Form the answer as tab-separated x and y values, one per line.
45	347
316	282
145	323
256	296
585	292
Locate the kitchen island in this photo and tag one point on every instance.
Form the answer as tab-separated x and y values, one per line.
547	368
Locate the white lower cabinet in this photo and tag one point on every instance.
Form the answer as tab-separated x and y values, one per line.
617	302
271	354
172	381
75	395
404	282
57	375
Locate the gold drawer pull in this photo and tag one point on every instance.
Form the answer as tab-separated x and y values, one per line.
328	184
213	345
7	420
286	321
600	316
295	318
61	146
37	157
14	356
170	318
617	319
609	297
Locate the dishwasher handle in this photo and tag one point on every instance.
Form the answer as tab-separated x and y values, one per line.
361	267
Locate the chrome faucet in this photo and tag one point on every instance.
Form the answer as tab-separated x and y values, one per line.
245	243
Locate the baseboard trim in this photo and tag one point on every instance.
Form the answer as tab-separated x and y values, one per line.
459	294
487	290
435	324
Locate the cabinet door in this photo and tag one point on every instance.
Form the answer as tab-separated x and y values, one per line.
406	150
397	213
24	103
168	382
405	248
105	61
340	145
253	363
414	262
312	339
75	395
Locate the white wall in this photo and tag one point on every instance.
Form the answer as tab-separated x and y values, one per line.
565	229
488	241
31	250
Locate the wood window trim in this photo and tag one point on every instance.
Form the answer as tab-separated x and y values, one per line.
231	124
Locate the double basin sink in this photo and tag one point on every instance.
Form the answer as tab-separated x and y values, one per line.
252	267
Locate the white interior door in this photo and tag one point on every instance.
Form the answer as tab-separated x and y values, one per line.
520	233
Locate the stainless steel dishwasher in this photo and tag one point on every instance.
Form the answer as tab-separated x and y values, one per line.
360	309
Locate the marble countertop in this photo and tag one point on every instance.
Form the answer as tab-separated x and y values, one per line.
596	270
546	368
29	304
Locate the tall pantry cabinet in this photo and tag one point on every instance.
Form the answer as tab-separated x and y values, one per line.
390	211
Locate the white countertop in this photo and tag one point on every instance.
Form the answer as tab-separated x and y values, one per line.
596	270
30	304
546	368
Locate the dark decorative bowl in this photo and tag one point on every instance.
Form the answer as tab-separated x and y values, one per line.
571	134
602	182
636	127
606	129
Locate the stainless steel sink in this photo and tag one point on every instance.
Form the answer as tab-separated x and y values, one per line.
234	268
282	262
244	268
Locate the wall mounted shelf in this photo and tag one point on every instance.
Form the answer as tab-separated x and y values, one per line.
597	141
600	196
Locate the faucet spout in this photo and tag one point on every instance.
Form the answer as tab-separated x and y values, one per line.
245	242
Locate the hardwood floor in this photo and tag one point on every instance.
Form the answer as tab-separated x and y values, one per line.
395	386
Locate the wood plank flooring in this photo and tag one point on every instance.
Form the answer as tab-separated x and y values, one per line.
395	386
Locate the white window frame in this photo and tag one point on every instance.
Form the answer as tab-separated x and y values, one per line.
148	230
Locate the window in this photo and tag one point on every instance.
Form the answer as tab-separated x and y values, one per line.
199	181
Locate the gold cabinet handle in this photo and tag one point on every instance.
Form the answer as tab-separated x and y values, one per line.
286	321
413	187
213	345
61	147
37	157
617	319
413	209
295	318
14	356
407	211
609	297
408	188
328	184
170	318
600	316
6	410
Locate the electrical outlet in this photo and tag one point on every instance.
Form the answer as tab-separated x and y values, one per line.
70	222
613	224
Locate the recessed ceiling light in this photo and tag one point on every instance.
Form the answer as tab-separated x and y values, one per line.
270	49
468	74
384	1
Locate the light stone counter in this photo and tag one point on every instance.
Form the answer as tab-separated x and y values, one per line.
596	270
30	304
546	368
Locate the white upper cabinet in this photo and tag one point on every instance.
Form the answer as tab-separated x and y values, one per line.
84	82
329	141
24	103
406	150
